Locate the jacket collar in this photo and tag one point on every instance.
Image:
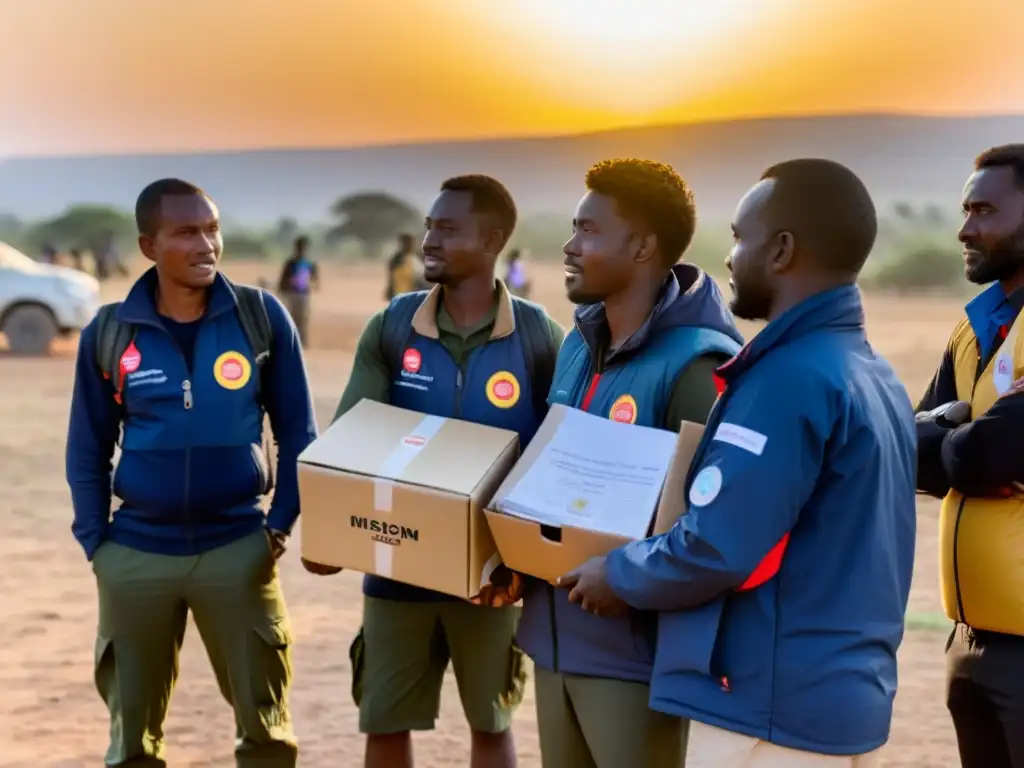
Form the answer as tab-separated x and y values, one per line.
592	324
835	309
424	322
140	304
989	311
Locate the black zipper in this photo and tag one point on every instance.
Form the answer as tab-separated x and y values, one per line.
978	371
460	380
188	400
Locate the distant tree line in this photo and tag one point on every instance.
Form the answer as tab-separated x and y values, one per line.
916	250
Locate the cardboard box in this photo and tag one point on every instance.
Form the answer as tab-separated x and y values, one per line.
399	494
546	552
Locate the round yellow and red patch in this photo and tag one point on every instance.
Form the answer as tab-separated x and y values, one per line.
232	370
623	410
503	390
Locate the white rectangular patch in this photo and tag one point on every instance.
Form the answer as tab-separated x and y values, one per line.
741	437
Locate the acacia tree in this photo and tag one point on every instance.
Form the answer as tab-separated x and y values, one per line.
373	219
86	227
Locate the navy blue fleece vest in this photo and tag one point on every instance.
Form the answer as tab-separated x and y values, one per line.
493	387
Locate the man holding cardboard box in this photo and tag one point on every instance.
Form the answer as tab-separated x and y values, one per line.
649	334
468	350
783	588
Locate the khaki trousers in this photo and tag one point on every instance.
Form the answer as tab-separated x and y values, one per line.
712	747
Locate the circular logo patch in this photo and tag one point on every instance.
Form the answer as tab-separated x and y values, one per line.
131	359
623	410
706	486
412	360
503	390
232	370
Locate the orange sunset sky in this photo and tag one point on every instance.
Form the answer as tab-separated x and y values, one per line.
88	76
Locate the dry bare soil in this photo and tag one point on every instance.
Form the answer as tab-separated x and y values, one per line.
50	711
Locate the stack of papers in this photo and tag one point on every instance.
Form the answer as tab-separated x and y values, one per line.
596	474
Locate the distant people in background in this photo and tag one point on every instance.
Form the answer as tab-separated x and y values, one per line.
405	269
108	260
515	278
77	261
298	277
48	255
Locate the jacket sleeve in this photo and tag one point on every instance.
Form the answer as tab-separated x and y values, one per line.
932	477
289	404
92	436
983	457
756	472
369	378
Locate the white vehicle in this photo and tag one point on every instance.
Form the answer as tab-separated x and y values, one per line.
39	302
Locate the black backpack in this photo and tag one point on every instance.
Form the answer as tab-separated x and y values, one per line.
113	337
531	322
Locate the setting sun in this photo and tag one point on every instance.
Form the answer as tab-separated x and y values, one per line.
631	58
637	24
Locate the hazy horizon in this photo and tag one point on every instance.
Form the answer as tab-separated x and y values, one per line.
447	141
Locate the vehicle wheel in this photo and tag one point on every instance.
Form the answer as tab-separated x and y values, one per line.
29	330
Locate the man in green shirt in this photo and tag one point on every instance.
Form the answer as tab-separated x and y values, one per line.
466	349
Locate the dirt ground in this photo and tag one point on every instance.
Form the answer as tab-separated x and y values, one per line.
52	713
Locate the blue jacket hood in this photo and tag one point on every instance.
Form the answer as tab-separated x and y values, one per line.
689	298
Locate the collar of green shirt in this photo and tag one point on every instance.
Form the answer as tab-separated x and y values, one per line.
431	319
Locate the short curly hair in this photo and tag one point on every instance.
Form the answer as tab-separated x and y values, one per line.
654	193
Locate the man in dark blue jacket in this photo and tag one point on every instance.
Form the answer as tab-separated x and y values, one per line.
649	334
188	394
783	588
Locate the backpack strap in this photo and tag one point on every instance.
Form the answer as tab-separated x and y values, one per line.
112	339
255	322
397	325
252	314
539	346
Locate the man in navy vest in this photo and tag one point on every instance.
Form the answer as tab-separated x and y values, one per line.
649	334
782	589
468	350
190	534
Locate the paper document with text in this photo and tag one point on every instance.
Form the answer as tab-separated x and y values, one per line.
595	474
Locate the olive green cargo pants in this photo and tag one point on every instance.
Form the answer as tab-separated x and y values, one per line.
237	605
593	722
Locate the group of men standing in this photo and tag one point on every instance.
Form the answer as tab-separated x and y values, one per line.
762	630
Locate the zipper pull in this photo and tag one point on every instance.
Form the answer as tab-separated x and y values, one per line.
458	379
186	386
